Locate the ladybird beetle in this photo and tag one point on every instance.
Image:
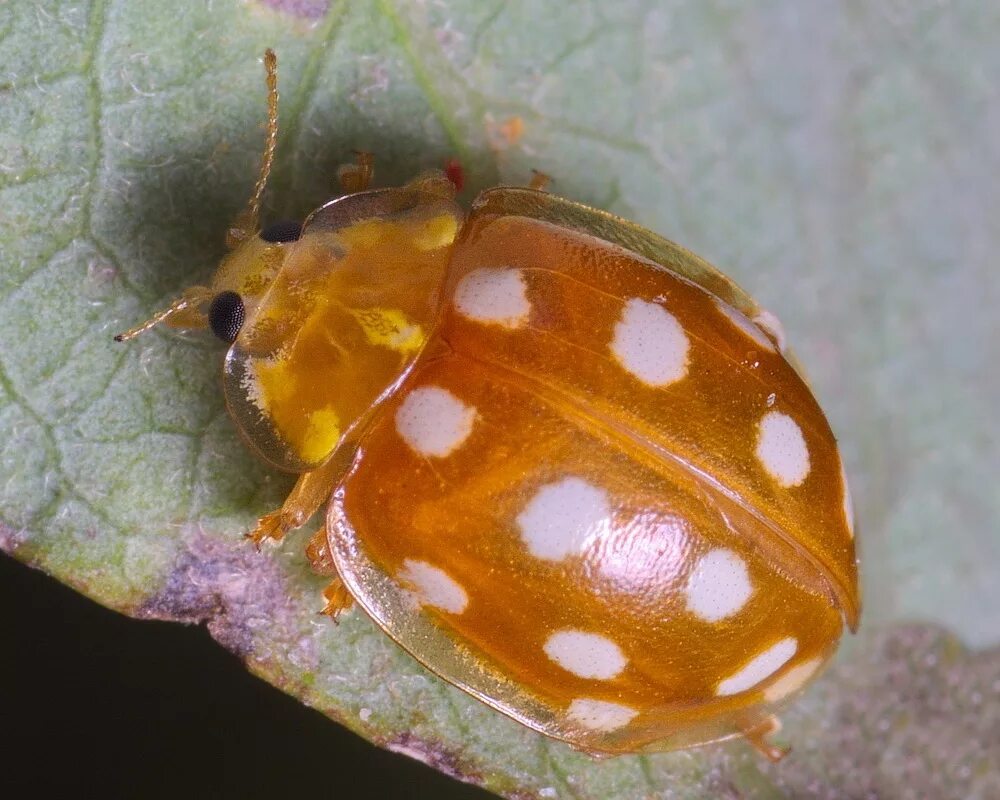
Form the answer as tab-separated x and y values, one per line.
569	465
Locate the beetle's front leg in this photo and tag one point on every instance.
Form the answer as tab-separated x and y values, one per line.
311	490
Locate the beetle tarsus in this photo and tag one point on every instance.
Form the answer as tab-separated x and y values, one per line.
338	599
759	736
318	553
358	176
271	526
539	180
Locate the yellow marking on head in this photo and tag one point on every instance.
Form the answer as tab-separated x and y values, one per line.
274	385
269	382
321	436
417	234
390	328
439	231
367	233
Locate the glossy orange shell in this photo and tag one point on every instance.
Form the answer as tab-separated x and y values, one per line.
595	492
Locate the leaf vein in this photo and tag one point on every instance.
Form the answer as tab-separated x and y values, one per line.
421	76
308	86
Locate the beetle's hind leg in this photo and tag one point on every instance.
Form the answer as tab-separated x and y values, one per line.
759	736
358	176
338	599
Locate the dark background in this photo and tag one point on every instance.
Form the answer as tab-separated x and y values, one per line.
93	704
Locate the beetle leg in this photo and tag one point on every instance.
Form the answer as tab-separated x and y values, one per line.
539	180
758	736
273	526
357	176
311	490
318	553
338	599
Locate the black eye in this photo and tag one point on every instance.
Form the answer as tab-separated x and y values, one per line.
225	315
288	230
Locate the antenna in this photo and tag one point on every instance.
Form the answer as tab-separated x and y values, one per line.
248	223
189	302
185	309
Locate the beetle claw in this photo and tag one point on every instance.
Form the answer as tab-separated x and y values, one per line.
272	526
338	599
759	736
318	553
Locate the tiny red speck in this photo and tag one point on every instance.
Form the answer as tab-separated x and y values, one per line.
454	171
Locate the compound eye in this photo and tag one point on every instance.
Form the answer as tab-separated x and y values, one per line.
288	230
225	315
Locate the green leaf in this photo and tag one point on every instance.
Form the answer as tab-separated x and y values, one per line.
840	163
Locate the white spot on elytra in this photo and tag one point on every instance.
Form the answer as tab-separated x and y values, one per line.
848	502
741	321
497	296
782	450
772	326
759	668
562	516
792	681
433	587
600	715
433	422
719	585
586	655
650	343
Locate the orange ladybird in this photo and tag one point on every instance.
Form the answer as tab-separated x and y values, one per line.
569	465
